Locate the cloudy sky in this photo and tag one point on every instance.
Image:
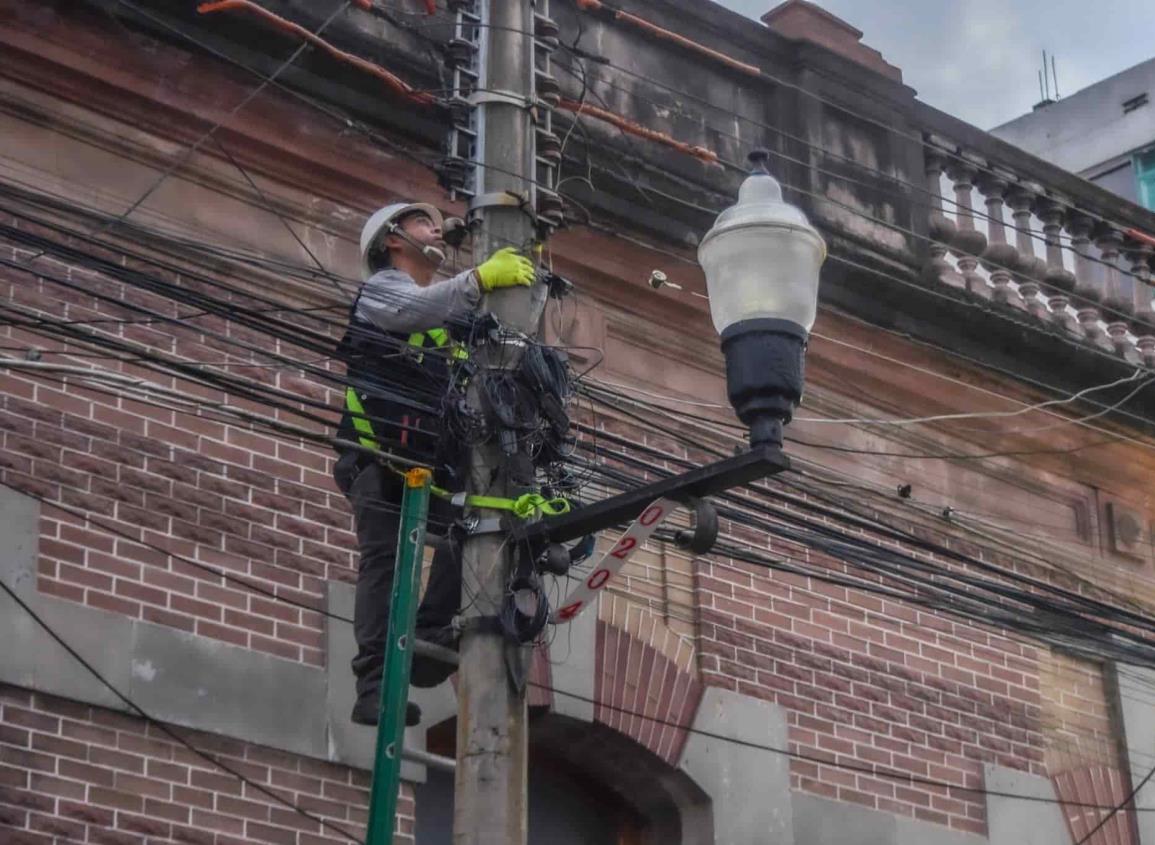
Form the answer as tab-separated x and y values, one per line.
979	59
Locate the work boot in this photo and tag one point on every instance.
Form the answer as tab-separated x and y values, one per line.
367	711
428	671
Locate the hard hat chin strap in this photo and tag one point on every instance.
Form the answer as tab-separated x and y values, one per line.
431	253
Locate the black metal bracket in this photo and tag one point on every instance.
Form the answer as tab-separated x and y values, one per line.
616	510
700	538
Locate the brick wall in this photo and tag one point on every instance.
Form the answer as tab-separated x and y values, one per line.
865	681
875	683
73	773
260	507
1079	729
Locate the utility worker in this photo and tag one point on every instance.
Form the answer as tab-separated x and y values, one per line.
399	360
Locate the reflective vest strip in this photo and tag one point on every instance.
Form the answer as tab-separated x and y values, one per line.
439	337
365	435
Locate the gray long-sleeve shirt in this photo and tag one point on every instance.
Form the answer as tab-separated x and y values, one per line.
393	302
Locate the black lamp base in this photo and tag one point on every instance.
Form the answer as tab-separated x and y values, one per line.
764	374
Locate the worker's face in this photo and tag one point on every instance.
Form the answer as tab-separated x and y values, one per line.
421	230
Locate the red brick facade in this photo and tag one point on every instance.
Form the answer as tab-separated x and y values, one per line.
260	508
864	682
74	773
877	683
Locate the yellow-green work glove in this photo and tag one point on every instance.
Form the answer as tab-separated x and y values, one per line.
505	269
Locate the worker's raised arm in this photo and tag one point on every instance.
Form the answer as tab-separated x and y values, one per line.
393	302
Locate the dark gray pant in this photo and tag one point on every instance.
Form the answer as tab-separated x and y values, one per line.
375	494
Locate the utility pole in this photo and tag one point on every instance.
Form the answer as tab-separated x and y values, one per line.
492	732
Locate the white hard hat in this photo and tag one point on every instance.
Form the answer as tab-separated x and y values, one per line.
381	218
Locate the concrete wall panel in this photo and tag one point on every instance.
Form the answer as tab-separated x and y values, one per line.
750	788
1013	821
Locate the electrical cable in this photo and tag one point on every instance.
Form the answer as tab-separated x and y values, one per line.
929	205
951	606
269	207
212	130
164	728
824	761
1116	809
948	553
914	138
697	423
1069	572
870	770
923	288
881	222
911	456
1049	403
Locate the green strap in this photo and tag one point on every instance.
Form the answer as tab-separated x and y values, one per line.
365	435
523	506
439	338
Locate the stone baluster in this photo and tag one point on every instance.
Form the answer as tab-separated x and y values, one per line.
968	243
942	229
1058	281
1000	259
1138	255
1032	269
1118	291
1088	280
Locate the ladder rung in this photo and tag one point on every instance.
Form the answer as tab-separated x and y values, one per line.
433	761
435	652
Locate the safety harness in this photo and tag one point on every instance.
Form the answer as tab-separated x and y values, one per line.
430	338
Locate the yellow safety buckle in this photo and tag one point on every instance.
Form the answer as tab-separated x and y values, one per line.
418	477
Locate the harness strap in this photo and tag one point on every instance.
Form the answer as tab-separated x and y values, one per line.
524	506
365	435
440	338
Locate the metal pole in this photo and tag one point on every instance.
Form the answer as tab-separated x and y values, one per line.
398	657
490	797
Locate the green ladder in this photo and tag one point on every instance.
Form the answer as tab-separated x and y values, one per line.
399	646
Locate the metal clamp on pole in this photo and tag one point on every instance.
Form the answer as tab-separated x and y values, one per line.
493	525
479	98
498	199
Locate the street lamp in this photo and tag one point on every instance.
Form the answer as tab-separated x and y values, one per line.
761	261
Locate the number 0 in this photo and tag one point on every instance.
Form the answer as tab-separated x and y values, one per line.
652	514
599	578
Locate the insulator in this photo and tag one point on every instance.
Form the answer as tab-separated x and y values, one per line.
460	110
460	52
453	172
548	145
546	30
547	88
550	207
